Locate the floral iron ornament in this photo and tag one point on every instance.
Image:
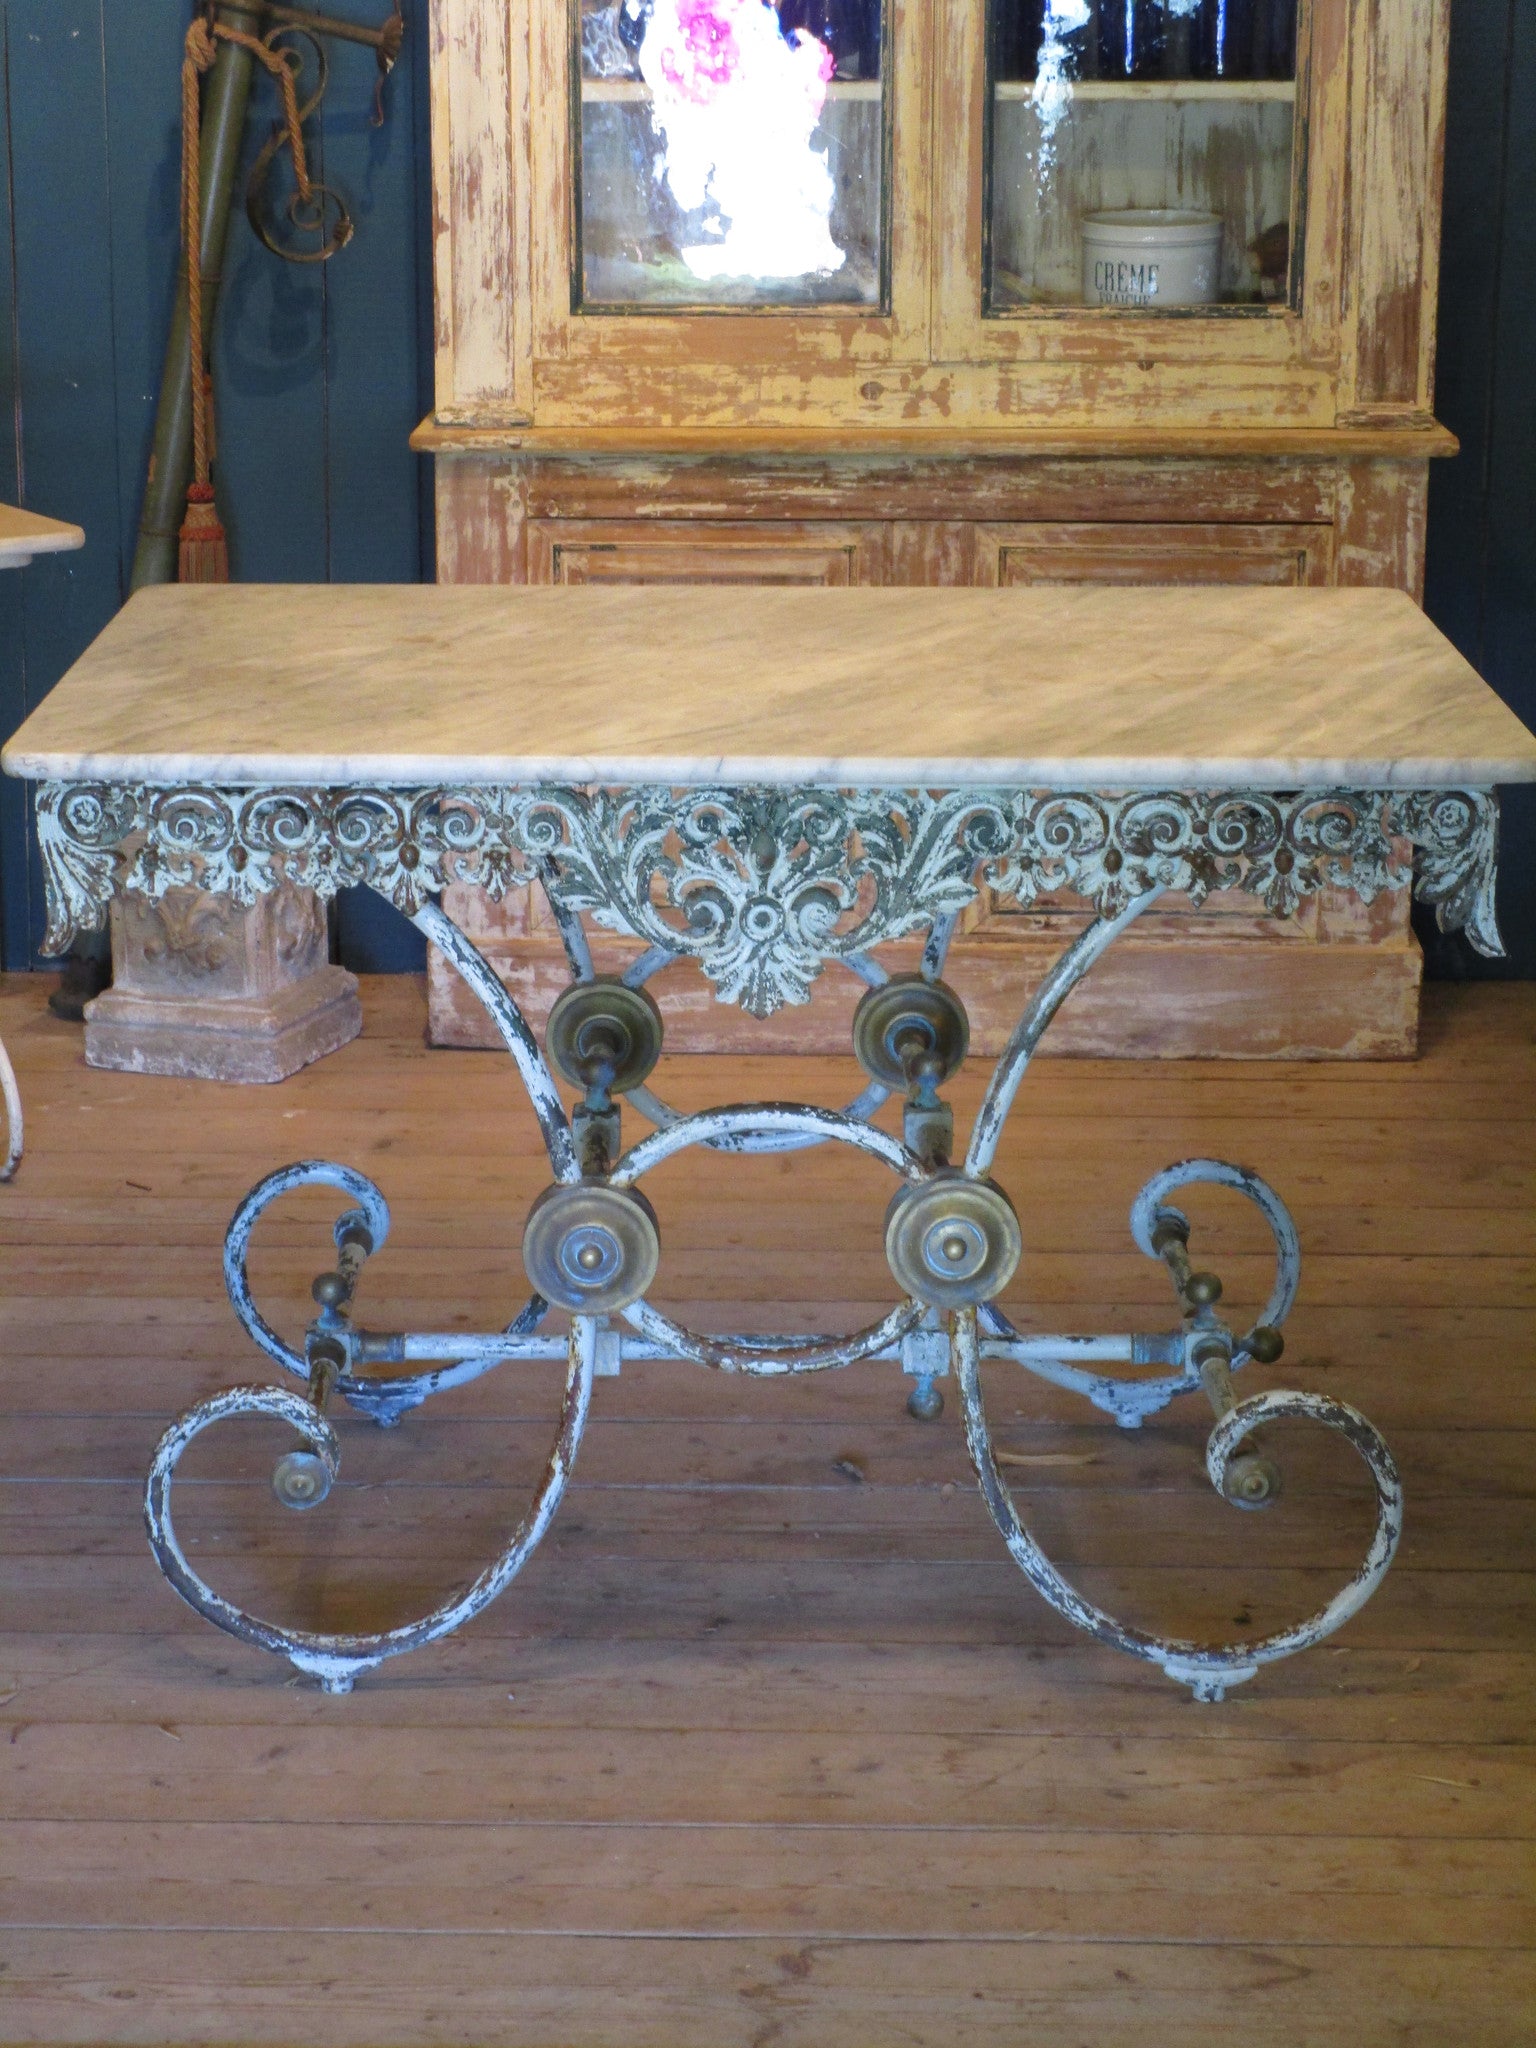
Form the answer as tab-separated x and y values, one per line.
764	886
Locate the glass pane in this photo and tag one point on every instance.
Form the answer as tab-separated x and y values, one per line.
1140	152
732	153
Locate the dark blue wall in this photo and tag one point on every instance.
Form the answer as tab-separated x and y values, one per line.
321	370
1480	582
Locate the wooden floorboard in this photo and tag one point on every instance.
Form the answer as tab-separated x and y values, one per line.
771	1745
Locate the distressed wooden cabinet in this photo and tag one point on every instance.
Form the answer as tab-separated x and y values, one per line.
617	403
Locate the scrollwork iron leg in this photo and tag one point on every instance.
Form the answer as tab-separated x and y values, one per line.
333	1350
1208	1669
1207	1354
336	1660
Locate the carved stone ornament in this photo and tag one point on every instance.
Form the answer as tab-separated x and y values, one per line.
191	934
763	886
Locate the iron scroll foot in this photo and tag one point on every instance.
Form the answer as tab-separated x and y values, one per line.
335	1359
337	1660
1238	1469
1205	1353
1208	1669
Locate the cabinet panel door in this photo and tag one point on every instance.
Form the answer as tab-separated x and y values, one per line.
1116	553
682	551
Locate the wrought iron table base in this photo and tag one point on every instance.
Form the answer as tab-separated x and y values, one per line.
952	1217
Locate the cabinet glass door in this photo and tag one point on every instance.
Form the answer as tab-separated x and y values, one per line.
1139	153
731	154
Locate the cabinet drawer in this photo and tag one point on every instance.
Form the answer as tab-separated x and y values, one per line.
696	551
1085	552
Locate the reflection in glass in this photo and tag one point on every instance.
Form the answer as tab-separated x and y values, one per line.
1158	116
731	153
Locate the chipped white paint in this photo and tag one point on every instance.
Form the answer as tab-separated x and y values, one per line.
14	1136
1209	1669
336	1660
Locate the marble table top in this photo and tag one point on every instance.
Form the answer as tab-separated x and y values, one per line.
25	534
1046	688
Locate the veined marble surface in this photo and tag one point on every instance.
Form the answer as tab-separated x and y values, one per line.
1044	688
25	534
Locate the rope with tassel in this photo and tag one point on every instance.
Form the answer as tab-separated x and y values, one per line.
203	550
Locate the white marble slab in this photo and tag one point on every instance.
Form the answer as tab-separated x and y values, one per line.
1045	687
25	534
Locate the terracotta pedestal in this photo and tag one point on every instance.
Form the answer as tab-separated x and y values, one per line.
205	989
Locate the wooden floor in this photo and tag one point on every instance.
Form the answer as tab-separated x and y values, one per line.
771	1744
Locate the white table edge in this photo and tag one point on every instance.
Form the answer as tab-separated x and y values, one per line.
1206	775
66	541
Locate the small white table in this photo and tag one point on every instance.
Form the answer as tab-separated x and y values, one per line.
767	782
24	535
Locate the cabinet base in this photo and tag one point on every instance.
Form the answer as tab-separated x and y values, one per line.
1152	997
